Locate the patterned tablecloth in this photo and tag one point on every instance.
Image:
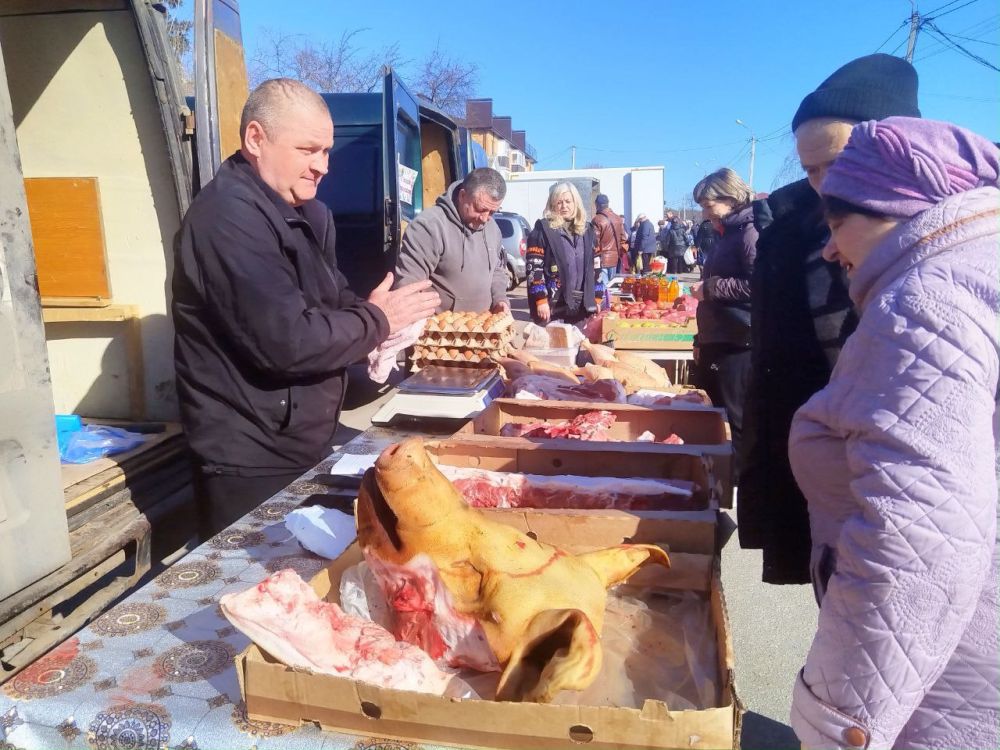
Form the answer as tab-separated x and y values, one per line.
156	671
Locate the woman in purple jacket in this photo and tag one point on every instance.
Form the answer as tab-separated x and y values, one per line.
897	456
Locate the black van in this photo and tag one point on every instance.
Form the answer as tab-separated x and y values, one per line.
392	157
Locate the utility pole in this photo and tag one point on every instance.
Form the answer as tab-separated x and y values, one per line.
573	158
753	149
911	43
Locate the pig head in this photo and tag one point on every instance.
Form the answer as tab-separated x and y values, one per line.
537	609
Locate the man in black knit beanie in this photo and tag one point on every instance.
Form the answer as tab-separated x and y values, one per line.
801	311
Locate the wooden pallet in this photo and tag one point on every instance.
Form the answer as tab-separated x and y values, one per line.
110	555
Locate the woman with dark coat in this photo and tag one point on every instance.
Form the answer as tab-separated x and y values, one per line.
562	265
722	346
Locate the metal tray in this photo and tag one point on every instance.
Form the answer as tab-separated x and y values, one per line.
449	381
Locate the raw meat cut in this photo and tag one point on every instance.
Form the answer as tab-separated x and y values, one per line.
285	617
540	607
659	398
482	488
649	437
594	425
545	387
424	614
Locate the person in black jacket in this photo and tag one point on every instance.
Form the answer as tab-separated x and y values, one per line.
704	240
563	260
645	241
265	324
722	346
677	244
802	314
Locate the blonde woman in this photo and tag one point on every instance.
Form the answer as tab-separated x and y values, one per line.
562	266
722	346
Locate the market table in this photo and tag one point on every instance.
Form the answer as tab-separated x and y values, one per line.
157	670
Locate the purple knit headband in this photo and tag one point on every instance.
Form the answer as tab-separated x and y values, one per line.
901	166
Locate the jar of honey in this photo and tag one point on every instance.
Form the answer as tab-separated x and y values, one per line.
628	285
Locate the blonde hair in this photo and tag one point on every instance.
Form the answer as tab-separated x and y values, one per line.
724	184
576	225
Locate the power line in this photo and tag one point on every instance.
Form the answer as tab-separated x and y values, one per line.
959	48
970	39
986	26
932	17
931	13
894	32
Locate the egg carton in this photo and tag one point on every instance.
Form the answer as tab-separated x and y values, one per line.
419	364
469	322
456	353
467	340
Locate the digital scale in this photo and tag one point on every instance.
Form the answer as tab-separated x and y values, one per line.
438	392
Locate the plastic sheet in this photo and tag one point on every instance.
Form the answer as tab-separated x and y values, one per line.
96	441
658	645
323	531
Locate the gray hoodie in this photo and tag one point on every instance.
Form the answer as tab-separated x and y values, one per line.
467	268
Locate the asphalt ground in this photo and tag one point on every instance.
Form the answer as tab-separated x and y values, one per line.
772	626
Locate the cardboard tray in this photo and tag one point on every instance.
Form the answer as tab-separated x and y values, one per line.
648	334
708	466
276	693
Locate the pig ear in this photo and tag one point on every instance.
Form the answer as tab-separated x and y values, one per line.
560	650
616	564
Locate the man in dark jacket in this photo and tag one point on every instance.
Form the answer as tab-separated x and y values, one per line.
265	322
704	239
645	241
801	312
676	245
611	239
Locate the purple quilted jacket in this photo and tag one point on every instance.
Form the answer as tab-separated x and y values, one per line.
897	457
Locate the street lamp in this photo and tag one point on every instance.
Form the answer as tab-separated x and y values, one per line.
753	148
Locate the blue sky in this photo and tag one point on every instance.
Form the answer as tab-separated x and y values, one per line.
651	82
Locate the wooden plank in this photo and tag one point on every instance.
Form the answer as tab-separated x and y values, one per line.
105	314
75	302
30	628
232	87
73	474
68	234
91	546
136	366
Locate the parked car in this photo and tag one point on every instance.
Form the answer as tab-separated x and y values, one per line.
514	230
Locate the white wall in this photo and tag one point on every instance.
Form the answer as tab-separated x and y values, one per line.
630	190
84	107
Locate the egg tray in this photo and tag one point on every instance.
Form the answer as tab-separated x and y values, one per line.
456	353
492	341
468	322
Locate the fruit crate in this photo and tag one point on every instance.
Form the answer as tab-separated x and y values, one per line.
640	333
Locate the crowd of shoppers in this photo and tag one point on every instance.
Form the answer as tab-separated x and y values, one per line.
850	325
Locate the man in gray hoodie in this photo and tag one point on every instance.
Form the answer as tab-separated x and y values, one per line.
457	245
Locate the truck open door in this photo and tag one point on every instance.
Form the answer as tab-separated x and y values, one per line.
401	156
221	85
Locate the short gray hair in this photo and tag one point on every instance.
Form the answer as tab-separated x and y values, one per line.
724	184
272	99
486	179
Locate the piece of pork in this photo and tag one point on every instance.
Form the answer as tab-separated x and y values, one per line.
284	617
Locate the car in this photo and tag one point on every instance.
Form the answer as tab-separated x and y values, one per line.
514	231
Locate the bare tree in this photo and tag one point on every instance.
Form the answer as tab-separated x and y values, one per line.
446	81
329	67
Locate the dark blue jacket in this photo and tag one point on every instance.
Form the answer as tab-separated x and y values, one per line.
645	239
265	326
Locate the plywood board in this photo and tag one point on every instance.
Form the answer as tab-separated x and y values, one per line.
233	89
75	473
68	235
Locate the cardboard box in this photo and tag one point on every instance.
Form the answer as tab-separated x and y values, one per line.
277	693
648	334
705	430
707	466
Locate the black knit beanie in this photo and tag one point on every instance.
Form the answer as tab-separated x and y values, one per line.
870	88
